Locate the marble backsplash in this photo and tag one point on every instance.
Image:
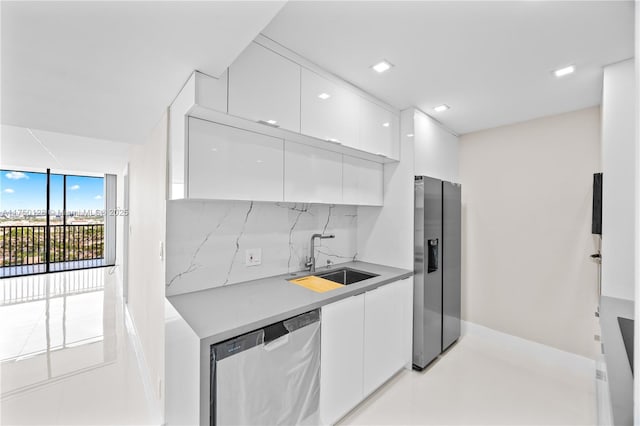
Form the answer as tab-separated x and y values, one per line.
206	240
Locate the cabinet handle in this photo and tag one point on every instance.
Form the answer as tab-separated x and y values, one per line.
269	124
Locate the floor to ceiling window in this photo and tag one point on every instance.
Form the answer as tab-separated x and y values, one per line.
50	222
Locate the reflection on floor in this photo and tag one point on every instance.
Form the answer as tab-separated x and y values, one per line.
41	268
481	381
66	356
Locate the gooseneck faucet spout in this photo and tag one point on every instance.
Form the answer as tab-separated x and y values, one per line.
311	261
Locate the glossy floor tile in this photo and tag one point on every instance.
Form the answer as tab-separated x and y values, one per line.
66	356
483	382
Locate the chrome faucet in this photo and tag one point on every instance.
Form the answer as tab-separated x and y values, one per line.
311	260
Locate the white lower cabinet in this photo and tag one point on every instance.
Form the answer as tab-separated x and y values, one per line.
227	163
312	175
366	339
385	332
341	358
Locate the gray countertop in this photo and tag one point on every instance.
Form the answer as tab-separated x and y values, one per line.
221	313
619	373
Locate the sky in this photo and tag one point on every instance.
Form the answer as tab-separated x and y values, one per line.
28	191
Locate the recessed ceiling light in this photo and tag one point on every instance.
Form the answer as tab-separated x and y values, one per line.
564	71
382	66
409	135
387	124
441	108
271	121
324	96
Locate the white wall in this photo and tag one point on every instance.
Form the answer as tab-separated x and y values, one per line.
618	167
436	149
146	268
207	240
385	234
119	226
526	232
636	344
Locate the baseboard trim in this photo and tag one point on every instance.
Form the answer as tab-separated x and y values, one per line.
568	360
153	403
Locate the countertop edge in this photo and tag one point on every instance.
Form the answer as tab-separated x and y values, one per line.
220	337
395	274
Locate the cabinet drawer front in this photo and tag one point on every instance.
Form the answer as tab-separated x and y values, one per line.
264	86
232	164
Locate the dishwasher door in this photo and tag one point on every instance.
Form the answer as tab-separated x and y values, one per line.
270	376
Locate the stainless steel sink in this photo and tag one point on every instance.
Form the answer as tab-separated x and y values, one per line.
346	276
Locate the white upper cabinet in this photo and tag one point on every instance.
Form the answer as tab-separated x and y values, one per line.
226	163
328	110
264	86
312	175
200	89
379	130
362	182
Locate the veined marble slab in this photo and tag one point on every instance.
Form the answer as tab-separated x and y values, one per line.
206	240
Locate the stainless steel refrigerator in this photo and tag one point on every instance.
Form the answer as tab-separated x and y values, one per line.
437	246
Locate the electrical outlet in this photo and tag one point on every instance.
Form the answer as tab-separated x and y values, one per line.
253	257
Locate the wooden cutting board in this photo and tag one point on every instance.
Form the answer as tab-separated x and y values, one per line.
317	284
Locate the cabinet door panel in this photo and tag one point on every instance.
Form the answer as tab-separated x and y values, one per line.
312	175
328	111
341	358
379	130
264	86
385	334
232	164
363	182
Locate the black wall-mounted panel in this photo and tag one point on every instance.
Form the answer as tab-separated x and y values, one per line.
596	214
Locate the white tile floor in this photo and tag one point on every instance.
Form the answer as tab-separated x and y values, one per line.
70	360
480	382
66	356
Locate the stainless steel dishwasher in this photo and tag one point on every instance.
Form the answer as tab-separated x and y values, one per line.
269	376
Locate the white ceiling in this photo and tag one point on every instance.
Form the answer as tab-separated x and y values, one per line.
108	69
37	150
490	61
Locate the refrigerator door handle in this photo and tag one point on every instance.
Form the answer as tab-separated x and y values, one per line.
433	249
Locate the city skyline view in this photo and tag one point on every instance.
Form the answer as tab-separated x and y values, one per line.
24	191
